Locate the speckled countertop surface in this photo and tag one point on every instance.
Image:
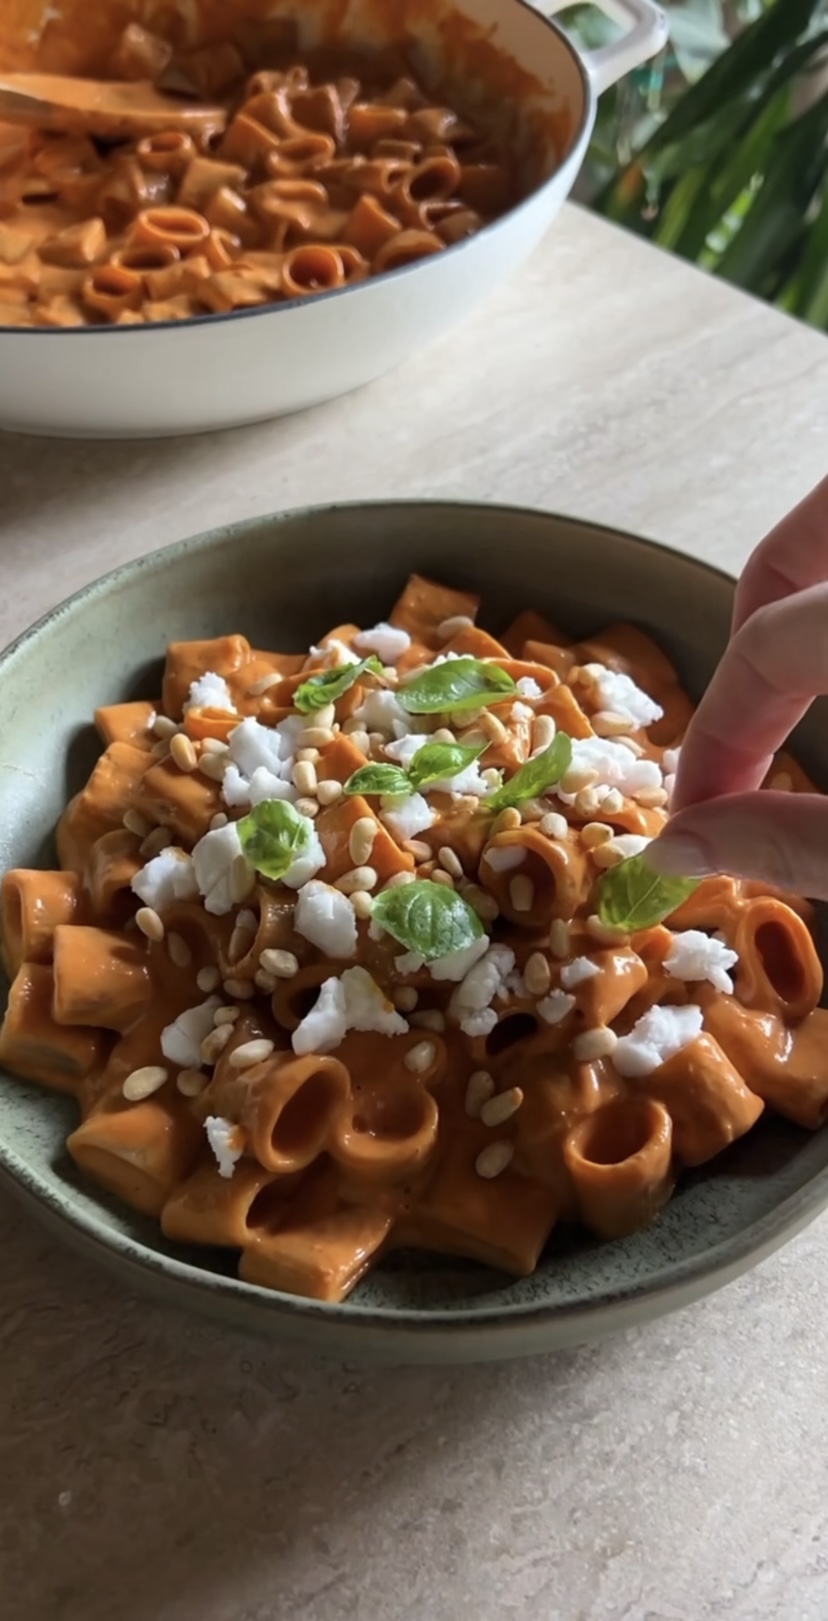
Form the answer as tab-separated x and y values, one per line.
154	1469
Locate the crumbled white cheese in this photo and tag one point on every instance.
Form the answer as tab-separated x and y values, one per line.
505	857
554	1008
479	1024
467	781
619	693
213	859
237	789
578	972
335	654
308	864
167	878
380	712
659	1034
408	962
482	983
456	964
326	917
694	955
387	641
528	687
403	749
252	745
521	712
247	919
616	765
630	844
210	691
352	1002
406	817
181	1040
225	1140
514	985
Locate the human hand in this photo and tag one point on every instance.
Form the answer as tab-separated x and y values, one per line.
775	664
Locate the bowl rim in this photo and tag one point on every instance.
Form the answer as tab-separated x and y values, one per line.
217	318
442	1333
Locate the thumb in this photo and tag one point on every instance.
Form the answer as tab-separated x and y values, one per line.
779	839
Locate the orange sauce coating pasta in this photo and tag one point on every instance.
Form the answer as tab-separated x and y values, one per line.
230	177
261	1064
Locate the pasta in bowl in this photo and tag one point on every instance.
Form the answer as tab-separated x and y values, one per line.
198	182
346	953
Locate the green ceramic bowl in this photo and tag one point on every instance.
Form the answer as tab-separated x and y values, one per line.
282	581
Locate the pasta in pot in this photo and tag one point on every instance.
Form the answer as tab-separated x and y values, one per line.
314	172
346	954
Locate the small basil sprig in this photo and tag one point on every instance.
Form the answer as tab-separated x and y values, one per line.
328	685
273	835
457	684
432	763
631	896
533	778
430	919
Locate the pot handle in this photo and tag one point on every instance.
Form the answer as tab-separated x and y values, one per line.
647	35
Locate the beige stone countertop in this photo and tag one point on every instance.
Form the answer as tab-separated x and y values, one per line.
153	1468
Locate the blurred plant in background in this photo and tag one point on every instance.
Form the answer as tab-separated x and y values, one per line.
718	150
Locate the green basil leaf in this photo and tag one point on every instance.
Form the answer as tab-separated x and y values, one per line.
440	760
378	779
535	776
273	835
328	685
430	919
464	683
631	896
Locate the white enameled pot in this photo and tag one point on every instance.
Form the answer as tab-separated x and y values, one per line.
220	371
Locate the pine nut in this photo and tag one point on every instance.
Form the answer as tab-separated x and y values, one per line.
135	823
482	902
242	879
418	849
143	1082
283	964
522	893
307	807
420	1057
164	727
543	733
492	728
592	1044
587	803
439	876
265	982
226	1015
443	735
453	626
405	999
576	779
507	820
611	723
150	923
501	1107
304	777
324	718
328	791
651	798
398	879
213	766
491	776
602	932
554	825
179	950
214	745
536	975
213	1045
217	821
633	745
478	1091
208	979
250	1053
494	1159
362	903
361	840
359	738
315	737
309	755
533	810
357	878
182	752
240	988
429	1019
240	942
449	859
595	833
559	940
612	802
607	855
190	1082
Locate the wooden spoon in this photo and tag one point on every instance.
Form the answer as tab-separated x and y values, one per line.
53	101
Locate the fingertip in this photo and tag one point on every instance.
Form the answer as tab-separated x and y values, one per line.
680	854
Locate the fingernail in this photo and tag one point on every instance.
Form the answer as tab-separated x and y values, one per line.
679	855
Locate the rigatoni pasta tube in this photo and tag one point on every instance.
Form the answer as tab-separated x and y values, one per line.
706	1098
32	1044
138	1151
287	1107
101	977
212	1209
32	904
619	1160
778	963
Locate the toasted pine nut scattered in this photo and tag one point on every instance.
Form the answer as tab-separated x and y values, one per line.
362	903
213	766
226	1015
304	777
478	1091
418	849
633	745
307	806
559	941
315	737
182	752
163	727
329	790
217	821
208	979
595	833
397	880
430	1018
536	975
213	1045
214	745
554	825
159	839
451	626
240	988
190	1082
265	982
250	1053
607	855
135	823
577	778
494	1159
405	999
357	878
651	798
592	1044
449	859
143	1082
240	942
483	903
440	876
543	733
491	776
587	803
310	755
492	728
501	1107
420	1057
283	964
507	820
150	923
612	802
242	879
359	738
179	950
264	684
522	893
443	735
611	723
533	810
361	839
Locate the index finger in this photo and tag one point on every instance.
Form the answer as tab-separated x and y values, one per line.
792	557
771	671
